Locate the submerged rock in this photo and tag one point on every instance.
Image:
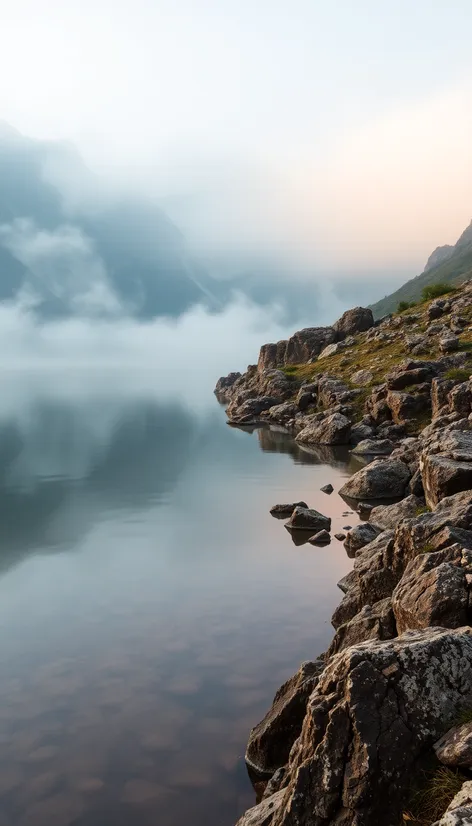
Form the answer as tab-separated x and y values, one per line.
321	538
308	519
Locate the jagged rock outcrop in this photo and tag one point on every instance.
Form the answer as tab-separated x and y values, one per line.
332	430
389	516
354	321
369	722
446	465
376	622
434	591
381	479
225	383
271	740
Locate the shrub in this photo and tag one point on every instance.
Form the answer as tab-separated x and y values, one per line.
435	290
405	305
458	374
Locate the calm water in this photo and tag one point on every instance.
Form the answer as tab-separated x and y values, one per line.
149	604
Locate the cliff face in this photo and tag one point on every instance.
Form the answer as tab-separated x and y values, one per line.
350	733
447	264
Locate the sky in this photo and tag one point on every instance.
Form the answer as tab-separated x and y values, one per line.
339	129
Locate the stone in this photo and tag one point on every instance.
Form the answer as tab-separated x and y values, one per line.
454	748
389	516
281	413
354	321
306	396
225	383
375	622
440	389
307	344
460	398
250	410
409	372
449	343
331	350
271	740
361	378
459	811
432	591
377	405
436	309
333	430
374	447
446	465
327	488
308	519
369	722
406	406
359	536
271	356
321	538
381	479
285	511
263	814
360	432
340	536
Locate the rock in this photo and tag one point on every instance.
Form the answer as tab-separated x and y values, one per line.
271	355
361	378
364	509
460	398
381	479
333	430
307	344
271	740
359	536
281	413
250	410
373	447
432	591
448	344
263	814
360	432
308	519
331	350
446	465
455	748
410	372
440	389
406	406
306	396
375	622
327	488
284	511
436	309
459	811
225	383
377	405
389	516
368	723
340	536
321	538
354	321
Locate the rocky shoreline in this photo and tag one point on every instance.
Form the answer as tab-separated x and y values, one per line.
350	736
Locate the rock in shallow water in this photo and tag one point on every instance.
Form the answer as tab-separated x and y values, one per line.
308	519
321	538
284	511
332	430
382	479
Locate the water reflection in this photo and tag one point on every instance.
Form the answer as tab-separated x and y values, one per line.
150	605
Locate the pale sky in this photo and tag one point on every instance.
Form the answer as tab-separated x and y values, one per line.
345	124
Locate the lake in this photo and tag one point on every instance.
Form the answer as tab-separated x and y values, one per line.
150	606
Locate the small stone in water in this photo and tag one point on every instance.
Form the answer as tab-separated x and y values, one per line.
327	488
321	538
340	536
347	527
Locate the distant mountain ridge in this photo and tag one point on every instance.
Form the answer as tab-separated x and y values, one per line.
451	264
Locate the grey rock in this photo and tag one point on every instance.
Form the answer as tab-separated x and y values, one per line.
375	622
357	320
340	536
331	350
374	447
448	344
446	465
359	536
308	519
307	344
332	430
321	538
389	516
362	378
327	488
409	372
366	728
381	479
286	510
263	814
225	383
360	432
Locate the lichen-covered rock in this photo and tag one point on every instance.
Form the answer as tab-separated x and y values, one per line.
389	516
374	447
332	430
359	536
361	378
370	720
306	396
449	343
308	519
357	320
285	511
381	479
455	747
271	356
432	591
271	740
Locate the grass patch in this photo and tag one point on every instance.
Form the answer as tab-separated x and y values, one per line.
428	549
403	306
430	803
436	290
458	374
464	717
421	509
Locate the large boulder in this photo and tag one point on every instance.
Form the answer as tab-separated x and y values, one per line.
446	465
308	519
374	447
359	536
381	479
271	740
433	591
460	398
440	389
307	344
285	510
357	320
374	715
410	372
271	355
375	622
449	523
249	411
389	516
332	430
406	406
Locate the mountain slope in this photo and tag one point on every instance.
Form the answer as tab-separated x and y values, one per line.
453	267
